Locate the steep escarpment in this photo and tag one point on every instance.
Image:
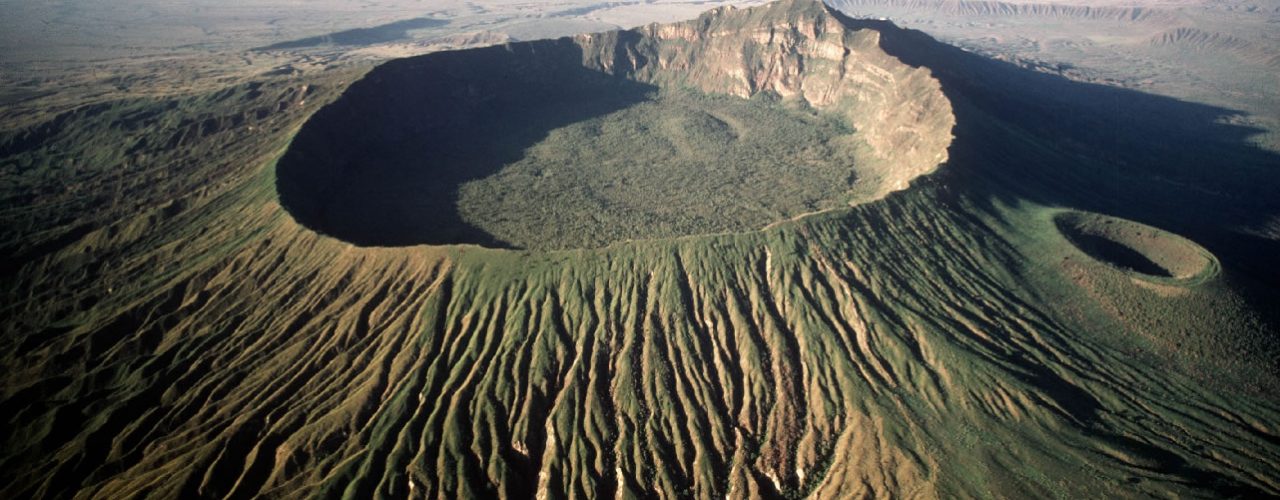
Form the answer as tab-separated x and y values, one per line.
472	146
990	8
797	49
1193	39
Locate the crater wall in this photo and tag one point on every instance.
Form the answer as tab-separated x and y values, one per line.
384	164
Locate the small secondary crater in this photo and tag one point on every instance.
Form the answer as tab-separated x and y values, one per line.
1135	247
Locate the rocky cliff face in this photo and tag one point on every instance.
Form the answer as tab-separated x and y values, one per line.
796	49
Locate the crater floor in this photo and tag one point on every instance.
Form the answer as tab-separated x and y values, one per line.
680	163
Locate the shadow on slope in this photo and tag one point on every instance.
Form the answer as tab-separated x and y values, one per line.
1178	166
1026	135
384	33
381	166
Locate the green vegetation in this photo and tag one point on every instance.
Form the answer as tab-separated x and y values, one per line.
69	174
1139	248
947	340
680	163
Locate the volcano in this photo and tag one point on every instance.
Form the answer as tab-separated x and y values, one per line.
769	252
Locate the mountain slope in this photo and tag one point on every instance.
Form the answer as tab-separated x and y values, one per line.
945	340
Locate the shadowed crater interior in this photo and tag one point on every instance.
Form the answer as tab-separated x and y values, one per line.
382	165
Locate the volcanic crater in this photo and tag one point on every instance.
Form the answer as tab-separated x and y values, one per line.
1138	248
729	122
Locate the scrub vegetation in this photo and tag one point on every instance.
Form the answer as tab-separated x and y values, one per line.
679	163
960	335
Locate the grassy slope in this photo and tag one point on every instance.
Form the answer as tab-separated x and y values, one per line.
935	343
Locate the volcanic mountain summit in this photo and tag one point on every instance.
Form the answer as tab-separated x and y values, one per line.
769	252
584	141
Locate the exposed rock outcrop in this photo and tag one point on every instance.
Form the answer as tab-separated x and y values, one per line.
796	49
